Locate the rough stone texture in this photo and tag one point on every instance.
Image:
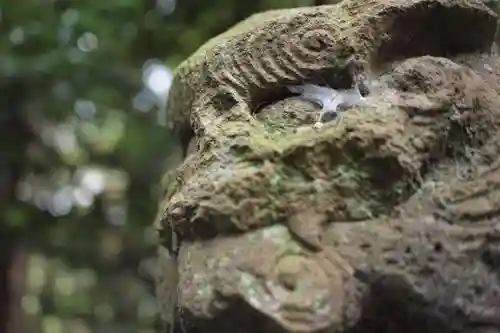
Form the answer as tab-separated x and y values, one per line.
384	220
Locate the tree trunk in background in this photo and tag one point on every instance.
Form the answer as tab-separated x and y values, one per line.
6	256
14	139
19	320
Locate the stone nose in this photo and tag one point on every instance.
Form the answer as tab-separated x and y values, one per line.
302	280
288	271
310	292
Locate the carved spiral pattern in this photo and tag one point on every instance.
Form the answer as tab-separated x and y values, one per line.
284	53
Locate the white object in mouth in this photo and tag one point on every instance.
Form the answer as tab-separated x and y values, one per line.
328	98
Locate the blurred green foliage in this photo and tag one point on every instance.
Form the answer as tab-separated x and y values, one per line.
82	151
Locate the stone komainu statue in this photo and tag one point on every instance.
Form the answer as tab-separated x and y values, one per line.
382	218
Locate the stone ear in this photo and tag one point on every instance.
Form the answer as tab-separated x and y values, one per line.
423	27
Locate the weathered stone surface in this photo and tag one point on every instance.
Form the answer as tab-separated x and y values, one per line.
383	220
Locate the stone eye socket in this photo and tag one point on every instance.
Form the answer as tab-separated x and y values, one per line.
317	41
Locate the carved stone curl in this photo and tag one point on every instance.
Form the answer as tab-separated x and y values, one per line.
384	219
